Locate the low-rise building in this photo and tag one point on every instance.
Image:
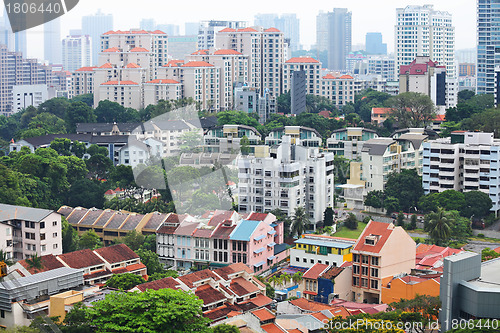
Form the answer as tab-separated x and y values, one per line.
383	250
27	231
227	139
304	136
322	283
348	142
313	249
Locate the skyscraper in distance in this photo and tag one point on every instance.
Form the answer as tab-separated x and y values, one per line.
339	38
16	42
95	26
374	44
488	45
52	49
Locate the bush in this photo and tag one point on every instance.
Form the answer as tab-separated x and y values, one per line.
351	222
480	235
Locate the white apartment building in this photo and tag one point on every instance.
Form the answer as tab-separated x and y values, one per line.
286	177
82	80
248	99
300	135
28	95
423	31
382	156
465	161
125	93
134	44
27	231
161	89
310	66
233	71
348	142
76	52
383	66
223	139
207	31
200	81
266	51
340	89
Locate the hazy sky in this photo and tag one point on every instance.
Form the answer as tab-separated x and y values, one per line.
367	15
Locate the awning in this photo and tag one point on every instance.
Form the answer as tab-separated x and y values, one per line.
258	238
271	244
271	258
272	232
259	264
259	250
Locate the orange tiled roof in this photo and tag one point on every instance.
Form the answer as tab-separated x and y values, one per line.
263	314
174	63
227	52
298	60
440	117
242	287
308	305
49	262
315	271
139	49
132	65
120	83
227	30
112	49
165	283
116	253
200	52
272	30
86	69
272	328
197	64
381	229
163	81
106	65
247	30
380	111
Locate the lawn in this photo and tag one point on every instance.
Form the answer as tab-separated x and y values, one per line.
348	233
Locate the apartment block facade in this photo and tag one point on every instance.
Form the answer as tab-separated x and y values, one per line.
310	250
466	161
304	136
227	138
348	142
28	231
286	177
310	66
424	31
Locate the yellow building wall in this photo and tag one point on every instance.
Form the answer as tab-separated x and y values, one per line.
57	304
399	289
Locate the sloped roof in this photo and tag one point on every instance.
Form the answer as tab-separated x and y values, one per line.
224	272
300	60
227	52
11	212
242	287
164	81
190	279
166	283
209	295
315	271
244	230
49	262
263	314
139	49
380	229
81	259
86	69
197	64
117	253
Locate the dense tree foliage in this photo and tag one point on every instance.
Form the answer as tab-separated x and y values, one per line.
406	186
125	281
412	109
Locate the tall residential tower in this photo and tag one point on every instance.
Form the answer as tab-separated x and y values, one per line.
488	44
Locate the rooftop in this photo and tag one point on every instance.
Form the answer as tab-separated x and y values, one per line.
10	212
315	271
381	230
117	253
167	282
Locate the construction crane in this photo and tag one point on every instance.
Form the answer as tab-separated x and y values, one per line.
3	269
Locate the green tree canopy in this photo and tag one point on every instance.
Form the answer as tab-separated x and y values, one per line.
125	281
89	240
406	186
477	204
412	109
152	311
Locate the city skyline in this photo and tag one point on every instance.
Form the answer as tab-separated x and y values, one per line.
366	17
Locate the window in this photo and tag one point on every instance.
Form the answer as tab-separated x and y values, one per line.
355	269
42	225
355	281
54	246
364	270
374	272
355	257
364	282
365	259
54	235
43	248
375	261
42	236
374	284
54	223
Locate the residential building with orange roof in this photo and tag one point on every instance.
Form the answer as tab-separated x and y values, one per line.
382	250
379	115
207	31
233	71
161	89
266	51
125	93
340	89
322	283
311	68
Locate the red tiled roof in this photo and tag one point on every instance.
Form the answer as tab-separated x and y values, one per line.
308	305
139	49
190	279
209	295
227	52
263	314
315	271
202	233
106	66
247	30
49	262
332	273
112	49
299	60
164	81
220	216
320	316
440	117
340	311
380	229
197	64
379	111
272	30
132	65
166	283
86	69
224	272
257	216
96	274
117	253
417	69
346	77
228	30
325	113
120	83
174	63
109	192
223	232
333	77
242	287
81	259
271	328
259	301
221	312
129	269
497	250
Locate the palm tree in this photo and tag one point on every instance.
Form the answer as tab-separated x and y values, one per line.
35	262
439	226
297	277
299	221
